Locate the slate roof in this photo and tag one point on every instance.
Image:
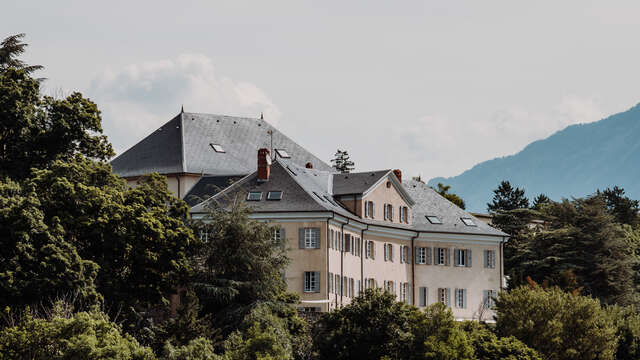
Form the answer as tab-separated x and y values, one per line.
207	186
356	183
182	145
311	190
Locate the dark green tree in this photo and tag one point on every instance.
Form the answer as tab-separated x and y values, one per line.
10	49
341	161
488	346
627	322
540	200
443	190
624	209
505	198
557	324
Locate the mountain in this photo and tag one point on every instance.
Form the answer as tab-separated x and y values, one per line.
575	162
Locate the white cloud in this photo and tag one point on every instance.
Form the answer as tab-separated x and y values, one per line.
438	145
138	98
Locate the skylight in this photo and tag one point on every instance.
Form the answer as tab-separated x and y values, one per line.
217	147
468	221
274	195
283	153
434	219
254	196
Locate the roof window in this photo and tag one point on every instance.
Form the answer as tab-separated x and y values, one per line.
274	195
434	219
254	196
468	221
217	147
283	153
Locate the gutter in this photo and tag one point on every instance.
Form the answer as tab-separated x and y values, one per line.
413	269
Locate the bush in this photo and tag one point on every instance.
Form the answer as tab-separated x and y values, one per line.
487	346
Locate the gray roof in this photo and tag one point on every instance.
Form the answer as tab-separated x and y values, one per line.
182	145
207	186
356	183
310	190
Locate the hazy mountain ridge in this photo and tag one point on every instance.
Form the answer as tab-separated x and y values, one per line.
574	161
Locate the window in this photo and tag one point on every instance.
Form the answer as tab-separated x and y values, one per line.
274	195
254	196
388	212
312	238
461	298
369	209
217	148
351	288
462	257
283	153
204	235
468	221
330	278
277	235
388	252
434	219
331	238
490	259
404	216
421	255
347	243
488	298
423	296
404	254
311	281
336	284
443	296
442	256
336	244
358	288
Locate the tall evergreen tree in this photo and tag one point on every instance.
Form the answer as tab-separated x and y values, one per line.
341	161
505	198
624	209
540	200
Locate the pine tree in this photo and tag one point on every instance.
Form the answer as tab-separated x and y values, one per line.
342	162
507	198
540	200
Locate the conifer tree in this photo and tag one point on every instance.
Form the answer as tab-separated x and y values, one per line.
341	161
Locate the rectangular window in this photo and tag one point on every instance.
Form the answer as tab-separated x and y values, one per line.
254	196
434	219
421	255
351	287
274	195
330	278
462	257
359	288
443	296
490	259
217	147
468	221
311	281
312	238
331	238
283	153
347	243
441	256
336	284
277	235
461	298
423	298
366	209
488	298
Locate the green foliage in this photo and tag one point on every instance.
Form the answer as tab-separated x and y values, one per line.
12	47
83	336
445	340
443	190
505	197
627	323
624	209
557	324
196	349
342	162
487	346
540	201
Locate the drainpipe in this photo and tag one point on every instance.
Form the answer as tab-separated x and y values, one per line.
342	260
362	249
179	194
327	272
502	264
413	269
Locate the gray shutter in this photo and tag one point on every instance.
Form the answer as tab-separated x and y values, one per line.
493	259
429	256
373	209
447	256
319	237
282	235
301	238
486	258
464	298
485	298
408	254
373	246
448	292
421	297
469	257
456	256
456	295
317	287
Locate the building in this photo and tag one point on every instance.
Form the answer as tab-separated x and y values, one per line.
346	232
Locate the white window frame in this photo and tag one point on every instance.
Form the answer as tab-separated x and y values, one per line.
310	282
461	257
249	198
276	235
217	148
311	238
442	295
422	255
442	256
270	197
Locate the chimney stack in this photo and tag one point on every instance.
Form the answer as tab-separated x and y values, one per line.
398	174
264	165
309	165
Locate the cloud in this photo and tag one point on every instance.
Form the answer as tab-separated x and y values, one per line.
439	145
138	98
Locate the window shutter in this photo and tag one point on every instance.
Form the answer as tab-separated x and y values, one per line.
456	294
317	285
373	209
416	251
428	256
317	231
366	208
456	256
408	257
373	246
485	298
447	256
493	259
486	258
391	212
421	297
448	296
386	252
464	298
367	249
301	238
469	257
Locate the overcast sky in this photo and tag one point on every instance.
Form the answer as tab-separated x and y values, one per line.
430	87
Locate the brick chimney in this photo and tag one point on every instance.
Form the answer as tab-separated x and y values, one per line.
309	165
264	165
398	174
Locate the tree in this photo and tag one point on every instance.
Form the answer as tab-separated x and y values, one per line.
443	190
488	346
12	47
624	209
540	200
557	324
36	130
627	322
445	340
342	162
85	335
505	197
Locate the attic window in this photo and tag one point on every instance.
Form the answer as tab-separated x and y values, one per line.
217	147
254	196
274	195
468	221
283	153
434	219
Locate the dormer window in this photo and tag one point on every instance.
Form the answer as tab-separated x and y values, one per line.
283	153
468	221
274	195
254	196
217	148
434	219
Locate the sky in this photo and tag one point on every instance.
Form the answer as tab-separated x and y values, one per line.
428	87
